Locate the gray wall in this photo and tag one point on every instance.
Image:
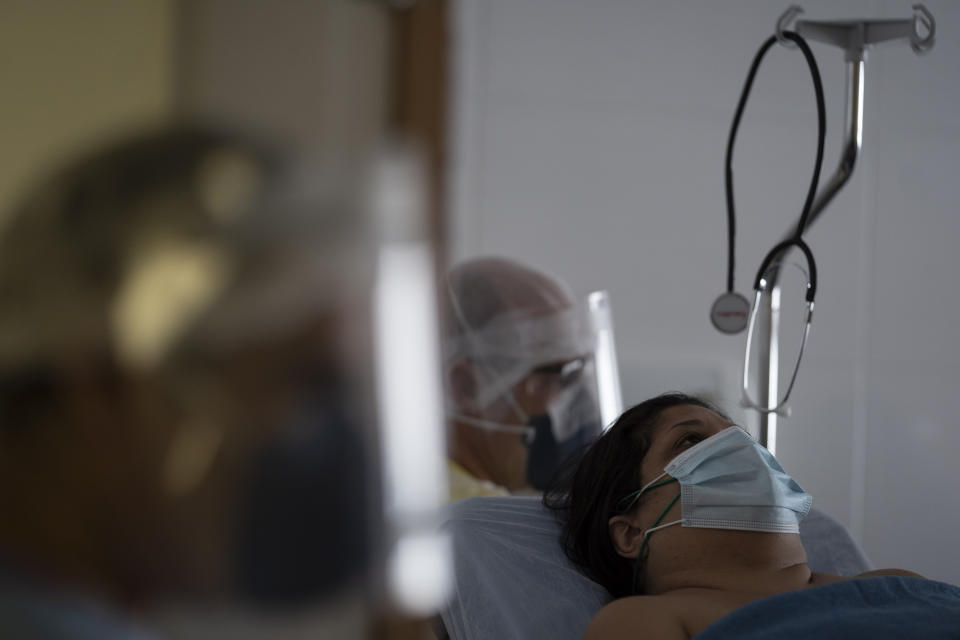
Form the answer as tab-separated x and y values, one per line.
74	74
315	73
589	141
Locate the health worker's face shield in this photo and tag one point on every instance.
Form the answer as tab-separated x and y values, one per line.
550	377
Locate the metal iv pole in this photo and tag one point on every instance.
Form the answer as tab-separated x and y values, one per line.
854	37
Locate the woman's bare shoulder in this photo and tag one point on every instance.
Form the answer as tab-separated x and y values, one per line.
636	617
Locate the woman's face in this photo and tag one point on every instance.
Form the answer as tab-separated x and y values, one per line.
677	429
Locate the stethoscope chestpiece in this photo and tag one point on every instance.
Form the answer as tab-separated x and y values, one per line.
730	312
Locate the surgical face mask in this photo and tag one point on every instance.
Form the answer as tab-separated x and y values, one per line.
572	421
546	454
729	481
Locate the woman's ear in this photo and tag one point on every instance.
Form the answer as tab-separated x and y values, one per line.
627	538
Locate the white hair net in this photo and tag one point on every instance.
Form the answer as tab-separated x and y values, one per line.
506	320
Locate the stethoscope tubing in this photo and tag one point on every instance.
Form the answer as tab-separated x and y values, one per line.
796	240
760	281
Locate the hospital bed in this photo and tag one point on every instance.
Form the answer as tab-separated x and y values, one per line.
515	582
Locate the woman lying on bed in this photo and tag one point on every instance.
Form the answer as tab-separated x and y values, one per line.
677	458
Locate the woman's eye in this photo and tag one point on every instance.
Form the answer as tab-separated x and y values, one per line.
688	440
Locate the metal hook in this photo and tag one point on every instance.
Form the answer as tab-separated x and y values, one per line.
922	15
784	21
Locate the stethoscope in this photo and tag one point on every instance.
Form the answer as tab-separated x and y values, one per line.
732	312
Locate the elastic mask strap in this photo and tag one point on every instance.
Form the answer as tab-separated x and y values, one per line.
627	502
490	425
646	537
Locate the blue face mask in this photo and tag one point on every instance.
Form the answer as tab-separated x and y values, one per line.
729	481
545	455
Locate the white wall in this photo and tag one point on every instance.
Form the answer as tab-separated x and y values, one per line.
589	141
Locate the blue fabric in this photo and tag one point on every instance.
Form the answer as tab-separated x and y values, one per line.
29	609
877	608
53	618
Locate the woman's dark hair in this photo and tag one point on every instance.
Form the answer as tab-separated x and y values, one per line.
585	495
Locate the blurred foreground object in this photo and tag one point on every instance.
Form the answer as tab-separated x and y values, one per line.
420	556
185	387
